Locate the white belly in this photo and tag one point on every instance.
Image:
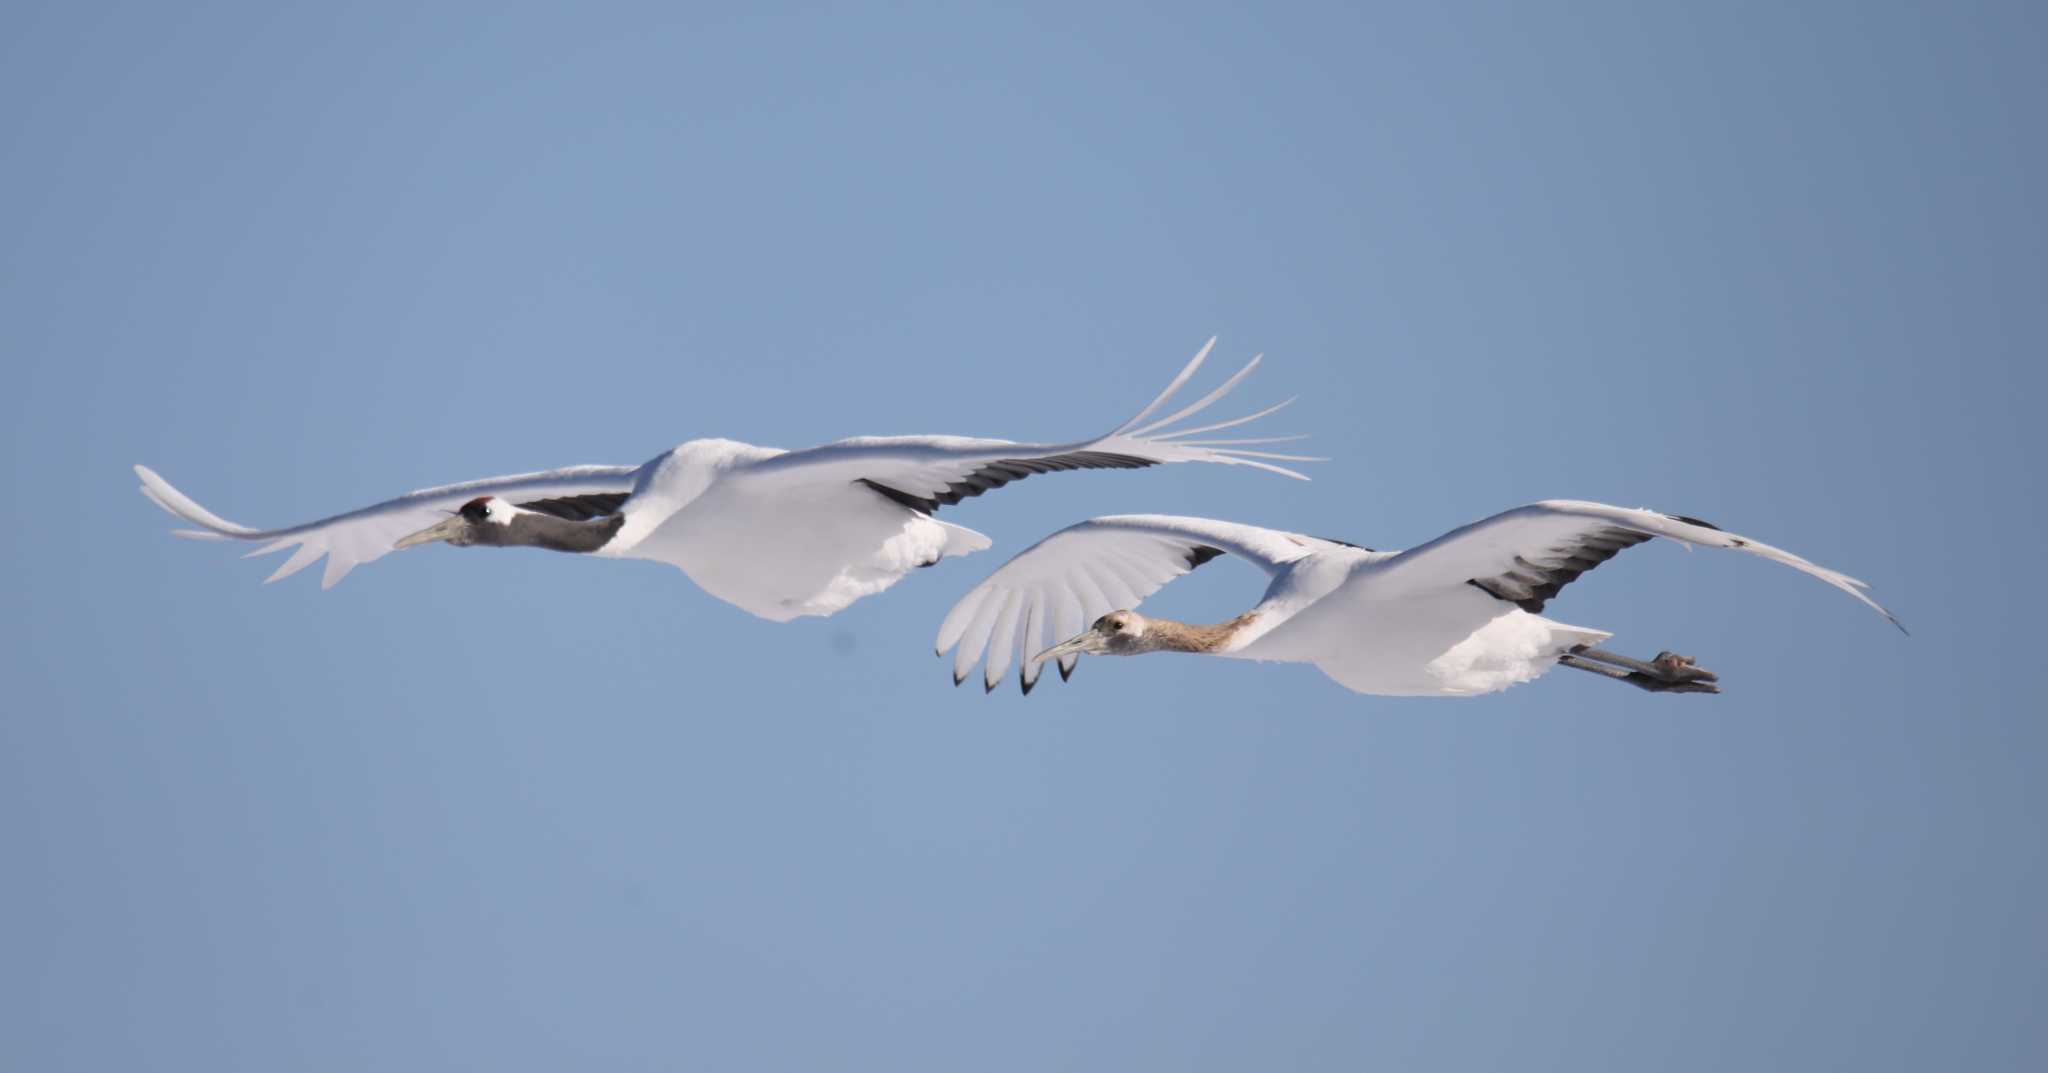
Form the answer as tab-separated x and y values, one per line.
1455	644
791	556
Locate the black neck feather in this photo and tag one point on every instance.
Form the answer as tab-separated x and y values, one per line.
561	534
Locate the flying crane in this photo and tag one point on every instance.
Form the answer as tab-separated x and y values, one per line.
780	534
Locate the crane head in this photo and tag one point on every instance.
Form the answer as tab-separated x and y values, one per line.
483	520
1114	634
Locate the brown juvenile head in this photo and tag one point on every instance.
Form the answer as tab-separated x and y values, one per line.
1119	633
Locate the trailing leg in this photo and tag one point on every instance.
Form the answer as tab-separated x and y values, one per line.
1668	673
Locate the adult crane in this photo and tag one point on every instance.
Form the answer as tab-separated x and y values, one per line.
780	534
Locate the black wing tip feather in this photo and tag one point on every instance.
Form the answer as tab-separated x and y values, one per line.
1067	672
1001	472
1201	553
1530	586
899	496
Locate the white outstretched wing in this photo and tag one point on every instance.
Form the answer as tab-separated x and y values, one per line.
1058	586
1525	555
350	540
927	472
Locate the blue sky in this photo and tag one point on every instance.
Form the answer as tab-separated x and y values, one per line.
1779	269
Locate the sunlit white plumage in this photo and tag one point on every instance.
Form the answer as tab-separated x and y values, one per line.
1453	617
779	533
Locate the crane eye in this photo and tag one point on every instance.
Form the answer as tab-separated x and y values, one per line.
476	510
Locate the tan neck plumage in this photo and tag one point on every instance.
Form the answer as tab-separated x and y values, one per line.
1166	635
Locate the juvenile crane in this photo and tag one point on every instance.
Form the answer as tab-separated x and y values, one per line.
1458	616
780	534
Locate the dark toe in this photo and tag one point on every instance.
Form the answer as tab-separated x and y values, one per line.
1655	684
1677	668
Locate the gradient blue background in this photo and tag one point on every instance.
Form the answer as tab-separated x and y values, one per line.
1781	269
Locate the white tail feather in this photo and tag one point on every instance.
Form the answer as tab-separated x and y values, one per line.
1234	422
178	503
1161	440
1179	379
1203	403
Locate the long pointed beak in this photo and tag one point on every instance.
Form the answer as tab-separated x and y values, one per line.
1088	641
445	529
